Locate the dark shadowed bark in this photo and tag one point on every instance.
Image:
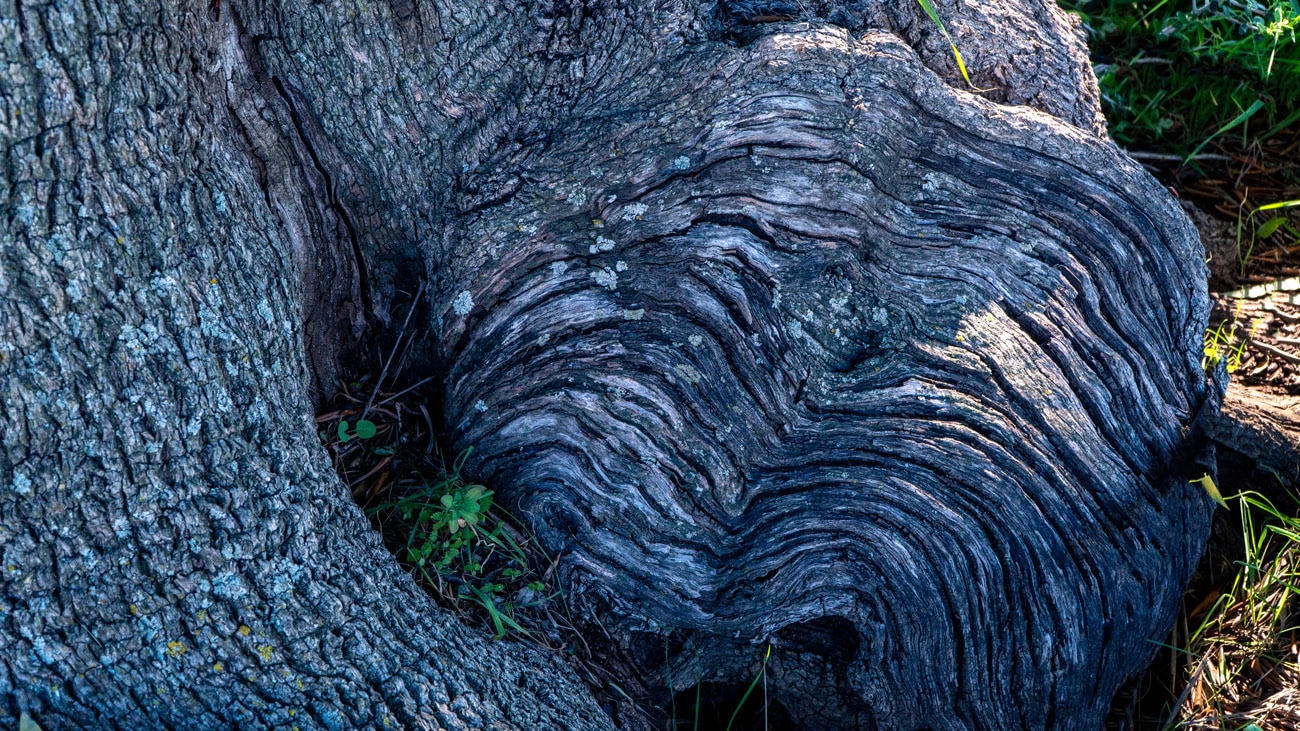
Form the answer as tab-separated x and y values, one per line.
772	333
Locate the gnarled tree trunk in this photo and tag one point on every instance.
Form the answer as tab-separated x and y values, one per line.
773	333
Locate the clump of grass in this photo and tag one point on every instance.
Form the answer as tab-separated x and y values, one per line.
1243	659
1226	345
1176	73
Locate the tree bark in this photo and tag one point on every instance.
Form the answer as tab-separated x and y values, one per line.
775	335
177	551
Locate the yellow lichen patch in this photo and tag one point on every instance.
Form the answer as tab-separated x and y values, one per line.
244	629
134	612
218	667
202	615
176	649
264	651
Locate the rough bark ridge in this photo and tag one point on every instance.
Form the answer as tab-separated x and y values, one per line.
773	334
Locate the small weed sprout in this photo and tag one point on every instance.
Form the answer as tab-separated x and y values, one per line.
364	430
1225	346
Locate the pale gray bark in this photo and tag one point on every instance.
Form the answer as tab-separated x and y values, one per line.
163	485
771	333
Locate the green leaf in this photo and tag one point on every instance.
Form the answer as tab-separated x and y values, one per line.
1212	490
447	501
343	431
365	429
1267	228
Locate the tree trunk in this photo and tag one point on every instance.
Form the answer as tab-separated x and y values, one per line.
177	551
772	333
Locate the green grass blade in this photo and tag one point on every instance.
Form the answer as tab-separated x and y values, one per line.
750	689
928	7
1279	204
1236	121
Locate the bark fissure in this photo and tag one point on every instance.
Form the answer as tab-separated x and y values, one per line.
331	191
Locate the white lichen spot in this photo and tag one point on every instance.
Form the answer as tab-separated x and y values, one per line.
264	309
543	339
635	211
794	328
559	267
688	373
602	244
681	162
479	406
606	278
463	303
576	198
528	228
880	315
22	484
636	314
620	266
695	340
838	303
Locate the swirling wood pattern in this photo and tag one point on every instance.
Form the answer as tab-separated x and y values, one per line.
819	339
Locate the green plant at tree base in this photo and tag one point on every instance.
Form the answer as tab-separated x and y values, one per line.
458	542
363	430
762	675
1227	346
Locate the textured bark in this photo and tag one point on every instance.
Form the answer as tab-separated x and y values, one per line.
176	550
1264	428
761	371
773	334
